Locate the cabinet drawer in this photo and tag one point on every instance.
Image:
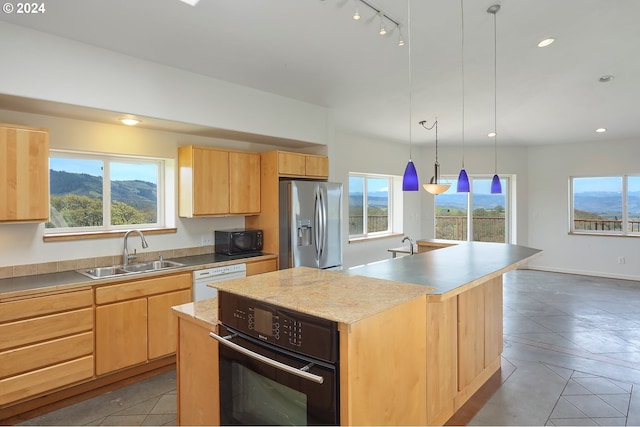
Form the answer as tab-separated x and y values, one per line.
41	305
42	328
260	267
23	359
142	288
32	383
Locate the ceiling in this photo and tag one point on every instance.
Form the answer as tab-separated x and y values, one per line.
312	50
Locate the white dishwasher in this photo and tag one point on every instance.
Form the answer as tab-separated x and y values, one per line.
201	278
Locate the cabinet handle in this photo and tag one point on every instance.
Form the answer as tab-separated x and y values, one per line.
274	363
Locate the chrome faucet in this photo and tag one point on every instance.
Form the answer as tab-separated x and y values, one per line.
411	242
125	253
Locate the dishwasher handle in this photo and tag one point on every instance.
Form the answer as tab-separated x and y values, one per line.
274	363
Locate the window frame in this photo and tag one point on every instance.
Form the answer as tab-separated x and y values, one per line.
624	195
107	228
508	189
394	207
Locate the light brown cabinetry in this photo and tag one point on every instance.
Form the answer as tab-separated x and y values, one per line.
134	323
218	182
276	165
197	375
24	174
259	267
47	343
301	165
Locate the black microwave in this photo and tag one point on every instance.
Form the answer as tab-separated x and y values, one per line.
238	241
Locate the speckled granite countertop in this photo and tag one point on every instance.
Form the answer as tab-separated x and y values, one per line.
68	280
327	294
204	312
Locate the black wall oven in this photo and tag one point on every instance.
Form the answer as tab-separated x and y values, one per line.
277	366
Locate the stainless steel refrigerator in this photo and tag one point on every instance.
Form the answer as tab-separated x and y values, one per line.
310	226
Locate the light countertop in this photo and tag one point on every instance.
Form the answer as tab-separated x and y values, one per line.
327	294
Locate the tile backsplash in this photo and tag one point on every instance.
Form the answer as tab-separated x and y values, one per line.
77	264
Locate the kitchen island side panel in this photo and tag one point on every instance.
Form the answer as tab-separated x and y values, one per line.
382	367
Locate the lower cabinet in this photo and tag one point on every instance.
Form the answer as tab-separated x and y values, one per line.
46	343
142	327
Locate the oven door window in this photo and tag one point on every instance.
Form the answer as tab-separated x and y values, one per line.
253	393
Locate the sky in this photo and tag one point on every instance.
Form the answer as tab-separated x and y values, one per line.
120	171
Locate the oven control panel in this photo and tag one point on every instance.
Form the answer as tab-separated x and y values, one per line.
285	328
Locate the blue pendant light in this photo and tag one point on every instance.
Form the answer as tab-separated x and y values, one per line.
496	187
410	178
463	179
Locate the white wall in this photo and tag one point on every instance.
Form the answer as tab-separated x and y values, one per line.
42	66
549	170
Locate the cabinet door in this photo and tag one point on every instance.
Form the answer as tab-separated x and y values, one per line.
24	174
291	164
162	323
210	182
244	183
317	166
121	335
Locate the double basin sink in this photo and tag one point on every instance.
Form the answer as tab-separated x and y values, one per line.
121	270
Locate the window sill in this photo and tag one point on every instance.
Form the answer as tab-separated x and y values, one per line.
61	237
369	239
578	233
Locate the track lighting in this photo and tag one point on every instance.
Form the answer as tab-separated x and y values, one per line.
382	30
400	37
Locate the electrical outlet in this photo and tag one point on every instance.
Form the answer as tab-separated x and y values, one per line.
206	240
620	260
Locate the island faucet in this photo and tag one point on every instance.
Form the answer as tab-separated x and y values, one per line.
411	242
125	253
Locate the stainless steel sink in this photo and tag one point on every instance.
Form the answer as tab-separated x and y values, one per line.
120	270
150	266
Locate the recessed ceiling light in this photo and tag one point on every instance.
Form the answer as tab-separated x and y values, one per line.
546	42
605	78
129	121
190	2
491	134
601	130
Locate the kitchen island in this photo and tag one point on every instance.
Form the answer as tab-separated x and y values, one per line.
418	335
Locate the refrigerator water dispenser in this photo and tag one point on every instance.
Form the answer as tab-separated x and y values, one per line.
304	232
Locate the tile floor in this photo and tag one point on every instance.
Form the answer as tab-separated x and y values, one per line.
572	344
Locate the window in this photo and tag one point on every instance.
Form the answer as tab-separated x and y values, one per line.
372	202
605	205
100	193
489	221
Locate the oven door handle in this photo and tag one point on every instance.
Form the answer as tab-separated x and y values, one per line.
274	363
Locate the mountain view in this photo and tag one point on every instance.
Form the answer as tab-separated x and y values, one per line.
76	200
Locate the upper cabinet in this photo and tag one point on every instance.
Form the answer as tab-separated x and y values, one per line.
302	165
24	174
218	182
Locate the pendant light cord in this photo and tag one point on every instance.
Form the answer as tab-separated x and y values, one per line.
410	79
495	92
462	60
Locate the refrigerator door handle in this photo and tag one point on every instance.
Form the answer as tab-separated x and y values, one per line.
323	224
316	224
